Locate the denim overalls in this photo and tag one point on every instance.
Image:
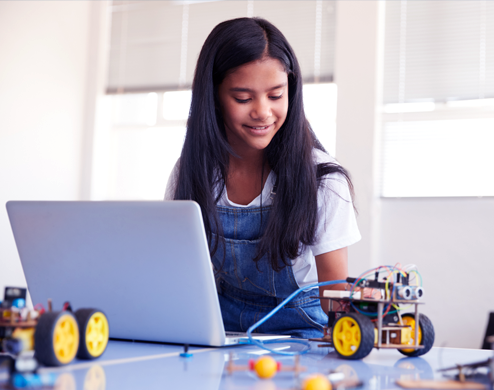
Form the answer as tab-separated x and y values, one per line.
247	293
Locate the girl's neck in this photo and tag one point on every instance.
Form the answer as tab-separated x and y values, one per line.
246	178
247	162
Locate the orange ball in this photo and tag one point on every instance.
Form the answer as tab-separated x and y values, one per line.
316	382
265	367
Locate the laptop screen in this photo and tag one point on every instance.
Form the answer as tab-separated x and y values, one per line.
146	264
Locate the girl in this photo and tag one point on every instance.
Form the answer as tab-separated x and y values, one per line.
277	209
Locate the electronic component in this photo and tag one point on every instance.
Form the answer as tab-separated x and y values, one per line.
340	294
403	292
417	292
14	296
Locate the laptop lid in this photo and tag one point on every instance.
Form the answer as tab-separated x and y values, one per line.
146	264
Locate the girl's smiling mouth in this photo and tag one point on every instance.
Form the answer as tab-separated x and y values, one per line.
259	128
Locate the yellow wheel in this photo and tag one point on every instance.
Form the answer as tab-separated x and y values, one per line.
409	320
66	338
56	338
346	336
95	332
353	336
426	334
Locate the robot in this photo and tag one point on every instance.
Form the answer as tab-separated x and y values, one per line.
361	322
56	337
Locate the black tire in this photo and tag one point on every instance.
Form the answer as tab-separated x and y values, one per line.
366	329
91	349
44	336
428	336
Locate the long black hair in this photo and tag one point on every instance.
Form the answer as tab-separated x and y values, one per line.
205	155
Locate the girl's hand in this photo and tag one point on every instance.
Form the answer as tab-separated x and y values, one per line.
367	293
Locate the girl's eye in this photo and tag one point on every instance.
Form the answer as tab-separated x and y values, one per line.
242	100
276	97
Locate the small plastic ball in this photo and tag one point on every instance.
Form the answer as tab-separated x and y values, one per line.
316	382
265	367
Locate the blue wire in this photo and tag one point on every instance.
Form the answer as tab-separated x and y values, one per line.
275	310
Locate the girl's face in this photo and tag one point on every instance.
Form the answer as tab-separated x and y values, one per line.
254	103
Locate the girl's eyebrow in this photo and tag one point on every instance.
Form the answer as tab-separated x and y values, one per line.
238	89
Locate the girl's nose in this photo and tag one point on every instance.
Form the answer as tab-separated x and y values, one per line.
261	111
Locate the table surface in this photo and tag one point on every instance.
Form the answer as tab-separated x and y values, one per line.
133	365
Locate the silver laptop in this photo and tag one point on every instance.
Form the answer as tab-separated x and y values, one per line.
146	264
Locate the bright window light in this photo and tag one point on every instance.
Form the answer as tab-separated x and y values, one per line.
438	158
145	159
176	105
135	109
470	103
320	109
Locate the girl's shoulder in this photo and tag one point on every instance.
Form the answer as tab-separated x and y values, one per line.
333	182
320	157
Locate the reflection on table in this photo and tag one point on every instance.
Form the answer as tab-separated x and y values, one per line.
127	365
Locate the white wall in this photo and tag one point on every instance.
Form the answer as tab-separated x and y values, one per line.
451	241
43	84
357	76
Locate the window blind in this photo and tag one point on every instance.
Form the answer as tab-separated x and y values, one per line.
438	50
155	44
438	85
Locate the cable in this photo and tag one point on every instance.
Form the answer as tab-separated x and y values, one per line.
262	345
419	276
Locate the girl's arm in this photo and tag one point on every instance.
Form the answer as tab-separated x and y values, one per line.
332	266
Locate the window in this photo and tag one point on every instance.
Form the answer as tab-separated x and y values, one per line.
438	111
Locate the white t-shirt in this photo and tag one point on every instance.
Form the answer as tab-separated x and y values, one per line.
336	222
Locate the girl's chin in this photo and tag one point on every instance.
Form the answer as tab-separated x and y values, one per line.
260	145
252	146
